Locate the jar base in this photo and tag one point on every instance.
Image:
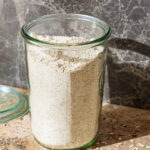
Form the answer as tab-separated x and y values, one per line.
78	148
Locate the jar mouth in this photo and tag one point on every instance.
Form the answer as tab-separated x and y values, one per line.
101	24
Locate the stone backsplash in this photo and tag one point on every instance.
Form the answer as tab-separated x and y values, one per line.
128	63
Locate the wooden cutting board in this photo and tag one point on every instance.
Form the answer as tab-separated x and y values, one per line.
122	128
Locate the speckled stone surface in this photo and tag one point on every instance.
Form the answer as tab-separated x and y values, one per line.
128	78
121	128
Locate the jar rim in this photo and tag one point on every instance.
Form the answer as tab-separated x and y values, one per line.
26	27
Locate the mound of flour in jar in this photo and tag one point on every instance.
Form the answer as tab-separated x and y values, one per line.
64	91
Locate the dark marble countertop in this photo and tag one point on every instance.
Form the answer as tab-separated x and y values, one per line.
128	63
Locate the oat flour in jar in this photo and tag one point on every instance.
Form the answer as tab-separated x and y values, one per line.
64	96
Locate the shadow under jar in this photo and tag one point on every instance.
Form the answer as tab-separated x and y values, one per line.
65	61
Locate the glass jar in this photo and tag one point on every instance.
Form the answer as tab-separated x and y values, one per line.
66	58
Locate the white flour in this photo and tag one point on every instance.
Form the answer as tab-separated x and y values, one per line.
64	96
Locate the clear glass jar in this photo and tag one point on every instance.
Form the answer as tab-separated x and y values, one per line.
65	61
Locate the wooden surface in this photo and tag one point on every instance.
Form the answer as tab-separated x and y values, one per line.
122	128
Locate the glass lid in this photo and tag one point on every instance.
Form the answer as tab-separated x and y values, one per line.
13	103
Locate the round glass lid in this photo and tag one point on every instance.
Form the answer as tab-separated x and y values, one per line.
13	103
